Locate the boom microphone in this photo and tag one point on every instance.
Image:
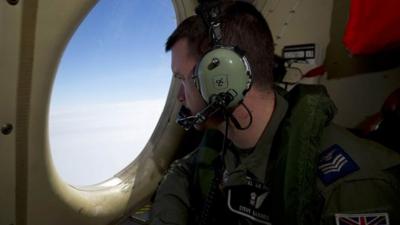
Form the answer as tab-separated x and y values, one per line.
220	102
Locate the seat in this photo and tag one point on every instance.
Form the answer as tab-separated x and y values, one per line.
384	126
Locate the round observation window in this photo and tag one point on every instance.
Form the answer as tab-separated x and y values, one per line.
110	89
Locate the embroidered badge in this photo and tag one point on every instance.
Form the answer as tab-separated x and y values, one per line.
335	163
250	201
362	219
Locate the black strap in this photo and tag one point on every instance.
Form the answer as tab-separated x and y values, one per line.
210	13
206	213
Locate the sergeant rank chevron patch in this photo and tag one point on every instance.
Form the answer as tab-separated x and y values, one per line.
335	163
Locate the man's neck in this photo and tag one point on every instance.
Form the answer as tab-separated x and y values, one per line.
261	106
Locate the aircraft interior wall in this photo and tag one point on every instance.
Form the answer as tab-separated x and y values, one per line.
357	84
10	19
33	35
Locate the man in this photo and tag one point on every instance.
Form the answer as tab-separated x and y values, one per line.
289	166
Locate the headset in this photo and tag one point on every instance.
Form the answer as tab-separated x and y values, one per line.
223	75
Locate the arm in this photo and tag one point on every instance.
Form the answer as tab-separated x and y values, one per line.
379	196
172	201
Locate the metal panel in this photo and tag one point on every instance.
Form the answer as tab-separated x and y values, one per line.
10	25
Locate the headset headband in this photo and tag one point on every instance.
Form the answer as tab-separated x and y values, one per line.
210	12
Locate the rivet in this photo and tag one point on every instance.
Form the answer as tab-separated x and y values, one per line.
6	129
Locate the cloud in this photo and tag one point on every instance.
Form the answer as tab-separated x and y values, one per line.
92	143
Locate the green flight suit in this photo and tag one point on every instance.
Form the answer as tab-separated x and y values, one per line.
373	189
288	166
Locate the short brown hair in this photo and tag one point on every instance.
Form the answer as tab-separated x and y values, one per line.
242	26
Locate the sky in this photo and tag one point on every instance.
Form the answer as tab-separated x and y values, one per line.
110	88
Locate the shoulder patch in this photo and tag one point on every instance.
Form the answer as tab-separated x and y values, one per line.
335	163
362	219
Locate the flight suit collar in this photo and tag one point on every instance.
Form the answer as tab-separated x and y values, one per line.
255	164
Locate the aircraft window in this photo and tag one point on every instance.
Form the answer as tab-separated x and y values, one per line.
110	88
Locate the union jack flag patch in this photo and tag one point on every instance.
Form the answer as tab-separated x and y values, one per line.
362	219
335	163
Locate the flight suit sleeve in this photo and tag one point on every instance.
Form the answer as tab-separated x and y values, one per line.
376	198
172	200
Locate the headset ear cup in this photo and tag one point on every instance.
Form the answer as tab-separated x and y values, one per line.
223	70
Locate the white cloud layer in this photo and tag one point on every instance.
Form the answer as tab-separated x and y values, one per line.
92	143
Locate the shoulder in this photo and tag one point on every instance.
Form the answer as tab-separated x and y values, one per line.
185	162
204	154
367	155
357	178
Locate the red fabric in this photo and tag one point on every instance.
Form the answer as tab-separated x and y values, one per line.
315	72
373	26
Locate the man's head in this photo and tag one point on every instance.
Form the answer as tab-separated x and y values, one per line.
242	26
